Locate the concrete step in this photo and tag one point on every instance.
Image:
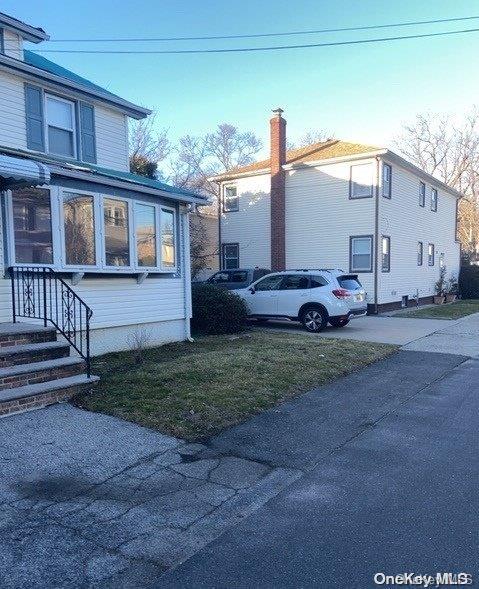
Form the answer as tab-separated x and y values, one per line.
15	334
35	396
28	353
23	374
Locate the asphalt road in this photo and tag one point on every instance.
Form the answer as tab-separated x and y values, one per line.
400	496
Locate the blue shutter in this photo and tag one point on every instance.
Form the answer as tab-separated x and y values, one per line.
2	41
87	133
34	117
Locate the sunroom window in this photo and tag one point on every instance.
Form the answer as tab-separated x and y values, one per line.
145	228
116	225
32	226
79	229
168	241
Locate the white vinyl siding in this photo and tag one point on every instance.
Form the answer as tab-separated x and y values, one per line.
13	129
13	44
320	218
250	226
111	139
408	224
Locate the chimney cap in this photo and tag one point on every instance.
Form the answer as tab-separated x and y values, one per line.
278	111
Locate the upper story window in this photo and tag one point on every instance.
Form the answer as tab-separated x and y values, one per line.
387	180
361	181
433	199
60	126
422	194
230	199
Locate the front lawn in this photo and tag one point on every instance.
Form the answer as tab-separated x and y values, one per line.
454	310
194	390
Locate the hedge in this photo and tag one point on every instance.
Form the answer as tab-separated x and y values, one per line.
469	282
217	310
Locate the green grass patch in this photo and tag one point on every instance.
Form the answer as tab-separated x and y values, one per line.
454	310
194	390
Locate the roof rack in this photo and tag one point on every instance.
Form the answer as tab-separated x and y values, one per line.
313	270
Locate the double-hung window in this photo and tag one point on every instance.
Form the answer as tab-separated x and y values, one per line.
422	194
230	256
168	238
419	253
361	253
79	229
430	254
387	180
145	233
60	129
385	253
361	181
230	199
116	227
433	199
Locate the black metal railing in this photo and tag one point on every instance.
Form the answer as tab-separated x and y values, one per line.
39	293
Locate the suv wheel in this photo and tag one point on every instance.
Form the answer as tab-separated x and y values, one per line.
338	322
314	319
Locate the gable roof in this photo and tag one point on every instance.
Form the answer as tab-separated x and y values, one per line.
323	150
33	34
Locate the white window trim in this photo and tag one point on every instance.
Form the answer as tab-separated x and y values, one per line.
136	204
73	130
58	235
224	199
352	238
352	182
175	233
223	255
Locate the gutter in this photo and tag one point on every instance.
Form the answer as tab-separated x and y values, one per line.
33	34
220	260
33	73
185	222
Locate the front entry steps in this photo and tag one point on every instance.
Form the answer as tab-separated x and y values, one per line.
36	370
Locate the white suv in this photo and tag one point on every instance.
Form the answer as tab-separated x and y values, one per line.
314	297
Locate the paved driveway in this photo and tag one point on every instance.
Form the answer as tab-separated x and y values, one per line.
426	335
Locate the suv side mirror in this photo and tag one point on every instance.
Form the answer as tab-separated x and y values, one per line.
252	289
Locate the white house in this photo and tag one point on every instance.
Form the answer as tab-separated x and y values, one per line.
72	215
341	205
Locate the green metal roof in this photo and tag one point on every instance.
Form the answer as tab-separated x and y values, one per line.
42	63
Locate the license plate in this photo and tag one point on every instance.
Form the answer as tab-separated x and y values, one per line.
359	297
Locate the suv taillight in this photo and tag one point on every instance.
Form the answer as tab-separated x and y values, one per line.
341	293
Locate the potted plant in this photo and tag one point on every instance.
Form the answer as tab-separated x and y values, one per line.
440	286
452	289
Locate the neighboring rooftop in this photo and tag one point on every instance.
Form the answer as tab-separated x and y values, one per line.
323	150
33	34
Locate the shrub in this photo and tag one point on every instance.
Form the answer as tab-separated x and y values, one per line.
217	310
469	282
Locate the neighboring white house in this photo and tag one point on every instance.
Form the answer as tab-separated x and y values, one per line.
70	204
341	205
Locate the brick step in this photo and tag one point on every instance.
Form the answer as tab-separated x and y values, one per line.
16	334
35	396
22	374
28	353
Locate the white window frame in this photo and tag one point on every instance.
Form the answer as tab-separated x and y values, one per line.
224	199
73	130
100	267
174	268
351	253
422	194
223	256
352	182
434	199
429	255
136	204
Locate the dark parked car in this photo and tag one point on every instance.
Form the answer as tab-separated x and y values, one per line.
238	278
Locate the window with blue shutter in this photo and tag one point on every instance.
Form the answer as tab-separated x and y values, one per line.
87	133
34	118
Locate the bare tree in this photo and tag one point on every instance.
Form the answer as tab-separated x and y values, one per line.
148	146
450	152
311	136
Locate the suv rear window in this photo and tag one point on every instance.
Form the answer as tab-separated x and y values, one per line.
238	276
349	282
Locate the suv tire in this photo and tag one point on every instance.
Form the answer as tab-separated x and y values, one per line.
314	319
338	322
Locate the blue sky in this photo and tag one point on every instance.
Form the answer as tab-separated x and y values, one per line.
360	93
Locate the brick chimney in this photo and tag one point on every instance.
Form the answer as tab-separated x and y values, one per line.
278	190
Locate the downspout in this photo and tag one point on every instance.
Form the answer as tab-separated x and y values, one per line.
376	236
220	261
185	229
